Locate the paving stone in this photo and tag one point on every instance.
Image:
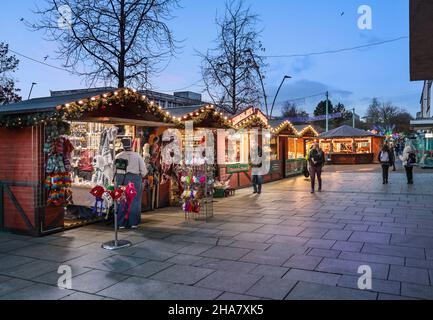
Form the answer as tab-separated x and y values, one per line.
229	281
397	251
229	253
356	227
250	245
264	257
183	292
337	235
154	254
240	227
254	237
269	271
325	253
289	241
148	269
135	289
227	296
95	281
4	278
48	252
184	259
195	249
370	237
417	291
311	291
31	270
10	261
348	246
272	288
391	297
182	274
313	233
117	263
13	245
228	265
371	258
412	241
351	267
280	230
378	285
80	296
12	285
303	262
312	276
38	292
51	278
410	275
320	243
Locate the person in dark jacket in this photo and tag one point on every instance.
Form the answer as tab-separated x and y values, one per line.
316	160
386	159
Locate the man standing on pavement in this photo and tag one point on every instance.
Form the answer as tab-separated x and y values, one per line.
316	159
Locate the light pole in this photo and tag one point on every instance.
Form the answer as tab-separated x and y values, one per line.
353	117
278	91
327	111
31	89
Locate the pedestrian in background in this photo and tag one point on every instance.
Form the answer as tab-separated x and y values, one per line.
316	159
257	179
409	161
386	159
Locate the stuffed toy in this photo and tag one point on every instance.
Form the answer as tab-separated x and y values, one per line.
130	194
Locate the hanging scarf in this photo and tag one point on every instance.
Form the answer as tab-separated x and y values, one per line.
130	194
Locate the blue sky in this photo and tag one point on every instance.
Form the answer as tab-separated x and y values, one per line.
289	27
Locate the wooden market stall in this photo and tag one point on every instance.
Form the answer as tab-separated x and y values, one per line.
348	145
204	119
36	189
289	146
238	171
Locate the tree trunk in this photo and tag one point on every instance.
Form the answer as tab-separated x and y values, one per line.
122	28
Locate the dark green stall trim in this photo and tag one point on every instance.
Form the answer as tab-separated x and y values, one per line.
5	189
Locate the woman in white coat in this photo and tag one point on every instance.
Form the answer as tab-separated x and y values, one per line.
409	160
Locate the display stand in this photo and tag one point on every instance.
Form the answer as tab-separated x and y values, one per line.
116	244
205	189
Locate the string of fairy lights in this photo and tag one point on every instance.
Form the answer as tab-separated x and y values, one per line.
122	97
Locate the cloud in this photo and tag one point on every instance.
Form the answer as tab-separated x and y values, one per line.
301	64
296	91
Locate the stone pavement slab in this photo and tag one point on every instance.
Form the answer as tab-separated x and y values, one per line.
311	291
182	274
229	281
283	244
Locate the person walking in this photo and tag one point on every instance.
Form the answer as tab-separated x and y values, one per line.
257	179
386	159
409	160
316	160
133	170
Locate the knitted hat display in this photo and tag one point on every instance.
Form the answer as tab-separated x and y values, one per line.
97	191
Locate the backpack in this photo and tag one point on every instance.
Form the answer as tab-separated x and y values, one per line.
384	157
412	159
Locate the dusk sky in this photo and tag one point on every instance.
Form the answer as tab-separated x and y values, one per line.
289	27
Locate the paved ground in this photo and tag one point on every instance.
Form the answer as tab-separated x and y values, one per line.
284	244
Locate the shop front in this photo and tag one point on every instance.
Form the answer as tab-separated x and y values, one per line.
424	141
290	146
235	173
347	145
56	150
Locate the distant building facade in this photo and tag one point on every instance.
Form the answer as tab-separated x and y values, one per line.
167	101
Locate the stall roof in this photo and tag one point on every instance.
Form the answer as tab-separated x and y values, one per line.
346	132
46	103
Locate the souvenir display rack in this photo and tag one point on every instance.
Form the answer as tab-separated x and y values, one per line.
198	182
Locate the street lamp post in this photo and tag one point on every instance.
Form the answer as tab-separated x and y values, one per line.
31	89
278	91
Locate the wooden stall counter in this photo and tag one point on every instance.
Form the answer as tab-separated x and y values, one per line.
352	158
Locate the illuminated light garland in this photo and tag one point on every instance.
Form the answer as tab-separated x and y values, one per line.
75	110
